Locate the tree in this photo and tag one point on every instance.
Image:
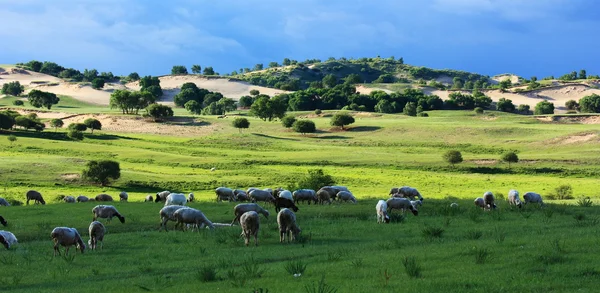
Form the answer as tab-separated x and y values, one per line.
6	121
131	102
340	119
287	62
34	65
267	108
288	121
453	157
40	99
315	179
101	171
505	105
304	126
352	78
155	90
245	102
26	122
77	126
510	157
196	69
590	104
258	67
506	83
544	108
478	110
523	109
254	92
410	109
159	112
385	78
56	123
241	123
12	138
18	103
582	74
193	107
92	124
75	134
98	83
189	94
330	80
273	64
571	105
134	76
457	83
89	75
384	106
208	70
533	79
13	88
179	69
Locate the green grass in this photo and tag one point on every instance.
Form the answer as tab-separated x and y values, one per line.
66	104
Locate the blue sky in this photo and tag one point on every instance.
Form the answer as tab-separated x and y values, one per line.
525	37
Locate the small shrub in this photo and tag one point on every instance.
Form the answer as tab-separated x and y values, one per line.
453	157
318	111
564	192
557	246
478	110
295	267
288	121
481	255
422	114
320	287
357	263
333	256
432	232
499	235
412	267
474	234
75	134
252	269
207	274
18	103
585	202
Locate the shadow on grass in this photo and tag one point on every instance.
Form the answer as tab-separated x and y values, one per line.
273	137
364	128
34	134
107	137
332	137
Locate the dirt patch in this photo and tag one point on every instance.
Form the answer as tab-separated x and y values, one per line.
70	177
484	162
40	114
579	138
571	119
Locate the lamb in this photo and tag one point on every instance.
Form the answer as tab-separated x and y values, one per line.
3	221
103	197
346	196
286	194
240	209
305	194
224	193
402	204
66	237
240	195
250	223
35	196
261	195
123	196
162	196
479	202
286	220
176	199
82	198
69	199
488	198
3	202
107	212
407	191
7	239
166	214
532	197
148	198
191	197
192	216
513	198
282	202
97	231
382	215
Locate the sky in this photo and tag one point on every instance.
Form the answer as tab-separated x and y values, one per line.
525	37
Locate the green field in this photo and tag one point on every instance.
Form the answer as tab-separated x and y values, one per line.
550	249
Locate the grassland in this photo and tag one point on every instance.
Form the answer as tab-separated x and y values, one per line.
551	249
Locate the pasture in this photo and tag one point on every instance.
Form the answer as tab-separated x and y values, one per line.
551	249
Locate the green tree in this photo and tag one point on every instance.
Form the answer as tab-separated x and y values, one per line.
544	108
25	122
240	123
193	107
254	92
155	90
267	108
34	65
341	119
510	157
56	123
6	121
352	78
18	103
505	105
523	109
410	109
273	64
258	67
196	69
89	75
385	78
533	78
315	179
590	104
453	157
245	102
13	88
571	105
12	138
134	76
384	106
77	126
131	102
287	62
101	171
179	69
159	112
457	83
304	126
288	121
582	74
40	99
92	124
330	80
97	83
189	94
506	83
227	105
75	134
478	110
208	70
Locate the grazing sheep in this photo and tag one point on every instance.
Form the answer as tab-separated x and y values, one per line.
338	188
261	195
213	169
69	199
270	190
191	197
35	196
240	195
408	192
97	231
532	197
240	209
326	194
394	190
103	197
286	194
403	204
488	198
513	198
382	215
149	198
123	196
107	212
305	194
166	214
250	223
346	196
3	221
224	193
162	196
3	202
7	239
192	216
479	202
454	205
332	191
282	202
66	237
250	189
82	198
286	220
176	199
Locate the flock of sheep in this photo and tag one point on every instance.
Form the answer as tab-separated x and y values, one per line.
246	214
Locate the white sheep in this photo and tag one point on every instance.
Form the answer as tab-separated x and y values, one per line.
192	216
3	202
213	169
66	237
167	214
149	198
488	198
305	194
403	204
454	205
382	215
479	202
96	231
250	223
346	196
286	220
286	194
224	193
176	199
242	208
513	198
69	199
123	196
191	197
162	196
261	195
532	197
7	239
409	192
82	198
107	212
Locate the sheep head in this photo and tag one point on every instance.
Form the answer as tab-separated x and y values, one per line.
3	221
4	242
121	218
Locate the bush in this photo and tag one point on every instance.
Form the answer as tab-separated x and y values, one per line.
101	171
13	88
159	112
590	104
97	83
315	179
304	126
412	268
92	124
564	192
77	127
18	103
410	109
544	108
241	123
75	134
341	119
422	114
288	121
318	111
453	157
478	110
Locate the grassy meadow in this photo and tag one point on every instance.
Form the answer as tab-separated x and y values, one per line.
550	249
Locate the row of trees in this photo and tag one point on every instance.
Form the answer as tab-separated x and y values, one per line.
453	157
196	69
202	101
131	102
90	75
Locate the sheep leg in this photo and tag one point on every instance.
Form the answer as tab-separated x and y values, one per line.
67	250
256	238
281	236
56	249
28	201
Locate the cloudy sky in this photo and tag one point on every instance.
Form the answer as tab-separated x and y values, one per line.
525	37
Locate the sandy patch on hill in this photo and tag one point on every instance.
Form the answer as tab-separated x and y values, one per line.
361	89
575	138
571	119
514	79
25	77
484	162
